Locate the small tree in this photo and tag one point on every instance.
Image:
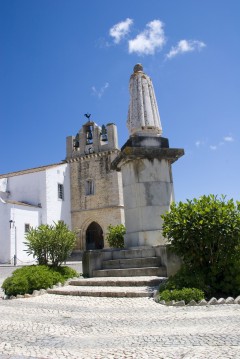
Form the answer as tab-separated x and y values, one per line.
115	236
50	243
205	233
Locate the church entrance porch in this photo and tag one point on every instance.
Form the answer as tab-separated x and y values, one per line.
94	237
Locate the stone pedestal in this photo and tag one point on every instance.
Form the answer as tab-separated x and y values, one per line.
145	163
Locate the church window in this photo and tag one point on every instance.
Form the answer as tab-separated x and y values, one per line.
26	227
60	191
89	187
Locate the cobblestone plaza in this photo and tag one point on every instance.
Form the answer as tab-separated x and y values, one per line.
51	326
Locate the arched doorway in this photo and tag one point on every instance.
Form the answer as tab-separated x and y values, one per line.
94	236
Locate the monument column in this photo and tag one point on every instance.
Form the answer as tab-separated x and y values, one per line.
145	161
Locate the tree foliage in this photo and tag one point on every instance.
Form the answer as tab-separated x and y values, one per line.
115	236
205	233
50	244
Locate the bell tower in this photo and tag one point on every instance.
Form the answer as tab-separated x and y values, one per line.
96	189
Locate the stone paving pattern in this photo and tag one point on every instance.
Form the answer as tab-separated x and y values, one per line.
51	326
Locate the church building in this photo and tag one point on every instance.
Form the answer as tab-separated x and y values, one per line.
82	191
86	190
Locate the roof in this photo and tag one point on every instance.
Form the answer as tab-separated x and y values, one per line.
7	201
31	170
21	203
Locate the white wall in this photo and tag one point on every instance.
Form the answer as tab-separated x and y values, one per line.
41	187
12	239
38	187
57	209
4	232
22	215
28	187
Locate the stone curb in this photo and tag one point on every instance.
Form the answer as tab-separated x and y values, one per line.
36	293
212	301
173	303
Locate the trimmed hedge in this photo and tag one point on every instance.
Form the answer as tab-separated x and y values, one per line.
27	279
186	294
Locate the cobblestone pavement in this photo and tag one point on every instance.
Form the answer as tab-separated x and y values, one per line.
51	326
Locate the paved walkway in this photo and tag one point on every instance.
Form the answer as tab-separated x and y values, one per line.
51	326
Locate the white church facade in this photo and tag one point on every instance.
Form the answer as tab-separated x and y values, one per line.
29	198
82	191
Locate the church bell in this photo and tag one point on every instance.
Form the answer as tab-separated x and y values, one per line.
104	136
89	135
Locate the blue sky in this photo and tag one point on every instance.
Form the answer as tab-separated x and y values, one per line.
60	59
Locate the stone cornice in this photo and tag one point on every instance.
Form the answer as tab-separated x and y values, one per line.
92	155
96	209
150	153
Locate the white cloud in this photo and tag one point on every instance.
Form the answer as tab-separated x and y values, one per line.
100	93
148	41
103	43
199	143
221	143
185	46
205	142
120	30
228	139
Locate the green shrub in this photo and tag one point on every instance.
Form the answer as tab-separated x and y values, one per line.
50	244
30	278
205	233
15	285
227	282
115	236
186	294
185	279
66	272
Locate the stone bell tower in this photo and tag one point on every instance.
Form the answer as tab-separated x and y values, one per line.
145	161
96	190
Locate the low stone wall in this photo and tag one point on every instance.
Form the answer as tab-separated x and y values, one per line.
93	259
170	260
212	301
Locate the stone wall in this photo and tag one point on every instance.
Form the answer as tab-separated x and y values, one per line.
105	204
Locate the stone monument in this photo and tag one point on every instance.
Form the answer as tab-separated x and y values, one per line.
145	162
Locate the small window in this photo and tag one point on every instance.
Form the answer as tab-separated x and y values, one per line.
60	191
27	227
89	187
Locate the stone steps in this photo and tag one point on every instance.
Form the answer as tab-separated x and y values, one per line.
132	263
137	261
113	287
130	272
118	282
113	292
143	252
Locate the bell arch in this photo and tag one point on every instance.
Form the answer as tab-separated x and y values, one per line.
94	236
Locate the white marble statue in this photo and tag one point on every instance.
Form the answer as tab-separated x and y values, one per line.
143	115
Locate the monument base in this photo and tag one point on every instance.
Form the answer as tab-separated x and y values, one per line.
144	238
145	163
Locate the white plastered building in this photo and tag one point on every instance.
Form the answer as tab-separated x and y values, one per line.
30	198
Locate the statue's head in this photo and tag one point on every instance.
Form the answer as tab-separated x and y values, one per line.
137	68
